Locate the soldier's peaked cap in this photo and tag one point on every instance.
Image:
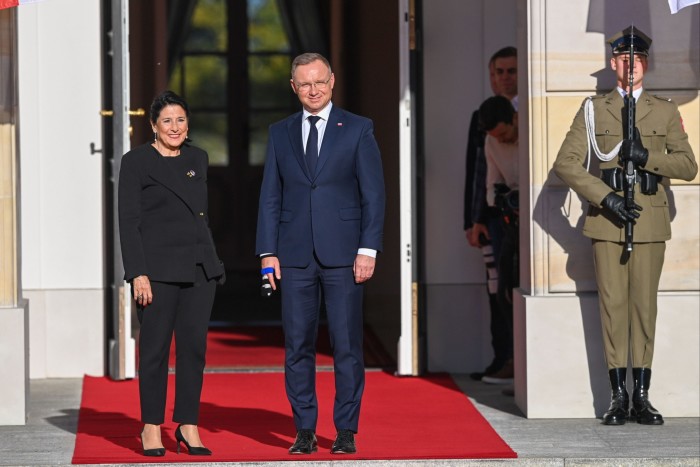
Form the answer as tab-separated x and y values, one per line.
621	41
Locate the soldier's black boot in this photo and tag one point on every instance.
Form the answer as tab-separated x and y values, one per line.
617	413
642	410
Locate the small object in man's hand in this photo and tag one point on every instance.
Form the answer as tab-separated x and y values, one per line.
266	287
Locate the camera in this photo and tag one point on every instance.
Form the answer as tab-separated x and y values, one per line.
489	263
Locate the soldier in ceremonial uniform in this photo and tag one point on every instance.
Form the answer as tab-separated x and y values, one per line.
627	280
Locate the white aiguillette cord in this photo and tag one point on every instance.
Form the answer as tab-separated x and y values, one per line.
590	128
589	118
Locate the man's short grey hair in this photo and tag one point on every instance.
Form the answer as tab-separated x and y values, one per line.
307	58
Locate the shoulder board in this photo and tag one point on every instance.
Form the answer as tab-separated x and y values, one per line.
662	98
591	98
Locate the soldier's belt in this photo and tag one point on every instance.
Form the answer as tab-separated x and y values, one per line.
648	182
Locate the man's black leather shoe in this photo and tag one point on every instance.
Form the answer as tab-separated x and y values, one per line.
305	443
492	368
344	443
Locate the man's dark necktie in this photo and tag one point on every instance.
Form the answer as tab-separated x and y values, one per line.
312	145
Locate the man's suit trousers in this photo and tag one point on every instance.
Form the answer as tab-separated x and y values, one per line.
302	289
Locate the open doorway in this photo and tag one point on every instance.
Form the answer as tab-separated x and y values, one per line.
230	60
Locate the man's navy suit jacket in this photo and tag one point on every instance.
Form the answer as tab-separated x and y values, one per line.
333	212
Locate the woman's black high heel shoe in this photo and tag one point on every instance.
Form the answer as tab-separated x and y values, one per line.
155	452
193	450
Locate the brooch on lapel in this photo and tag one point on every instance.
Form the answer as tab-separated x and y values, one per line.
340	124
191	173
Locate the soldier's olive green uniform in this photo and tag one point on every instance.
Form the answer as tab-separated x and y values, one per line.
628	290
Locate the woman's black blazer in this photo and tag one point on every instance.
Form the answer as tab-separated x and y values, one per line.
161	214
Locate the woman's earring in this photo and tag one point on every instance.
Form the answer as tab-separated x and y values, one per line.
155	137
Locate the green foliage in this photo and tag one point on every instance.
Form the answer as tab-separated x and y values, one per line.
265	30
209	32
269	81
206	81
201	75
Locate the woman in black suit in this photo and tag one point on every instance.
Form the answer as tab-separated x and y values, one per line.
171	262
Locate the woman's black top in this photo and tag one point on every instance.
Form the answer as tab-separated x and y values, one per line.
163	220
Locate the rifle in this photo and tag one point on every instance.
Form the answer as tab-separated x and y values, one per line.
630	171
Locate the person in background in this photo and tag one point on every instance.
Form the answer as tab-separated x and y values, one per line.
505	63
482	224
171	262
628	281
320	226
498	119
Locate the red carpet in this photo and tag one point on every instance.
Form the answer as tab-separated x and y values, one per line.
258	347
246	417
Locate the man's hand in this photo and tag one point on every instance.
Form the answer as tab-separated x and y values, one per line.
477	231
468	236
616	204
272	262
634	151
363	268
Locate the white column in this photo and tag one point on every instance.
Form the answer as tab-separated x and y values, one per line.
14	342
62	202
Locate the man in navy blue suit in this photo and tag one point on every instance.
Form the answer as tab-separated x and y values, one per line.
320	224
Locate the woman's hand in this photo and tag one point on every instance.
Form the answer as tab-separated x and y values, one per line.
142	291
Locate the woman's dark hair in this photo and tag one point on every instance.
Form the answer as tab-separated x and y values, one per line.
165	99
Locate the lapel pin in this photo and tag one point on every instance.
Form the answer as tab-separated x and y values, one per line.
191	173
340	124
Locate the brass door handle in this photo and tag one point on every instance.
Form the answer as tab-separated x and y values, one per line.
134	113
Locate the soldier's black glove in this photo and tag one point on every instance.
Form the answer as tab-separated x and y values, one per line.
634	151
616	204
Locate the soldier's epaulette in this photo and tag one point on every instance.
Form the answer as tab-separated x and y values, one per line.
597	96
661	98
